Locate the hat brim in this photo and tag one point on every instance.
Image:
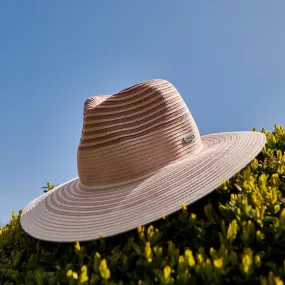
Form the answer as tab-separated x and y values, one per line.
70	213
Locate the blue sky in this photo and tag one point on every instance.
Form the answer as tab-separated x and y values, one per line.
226	59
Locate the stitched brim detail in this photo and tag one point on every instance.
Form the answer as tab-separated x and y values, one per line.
70	213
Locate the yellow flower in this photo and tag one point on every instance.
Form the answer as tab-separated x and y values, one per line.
104	271
181	259
213	252
224	184
103	264
278	281
100	236
97	254
232	231
279	155
276	208
208	261
158	250
183	206
166	272
151	230
200	258
164	217
193	216
238	212
148	252
247	260
69	273
254	164
190	258
140	282
272	195
218	262
140	229
257	259
83	275
275	179
77	246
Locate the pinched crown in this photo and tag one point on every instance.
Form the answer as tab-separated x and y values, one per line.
133	133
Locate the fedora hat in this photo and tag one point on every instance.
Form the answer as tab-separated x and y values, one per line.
140	157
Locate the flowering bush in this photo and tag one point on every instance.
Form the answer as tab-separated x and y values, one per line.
236	235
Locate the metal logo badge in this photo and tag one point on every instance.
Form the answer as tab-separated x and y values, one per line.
189	138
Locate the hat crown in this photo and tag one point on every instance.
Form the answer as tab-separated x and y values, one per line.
134	133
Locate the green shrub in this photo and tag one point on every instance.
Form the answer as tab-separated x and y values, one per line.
236	235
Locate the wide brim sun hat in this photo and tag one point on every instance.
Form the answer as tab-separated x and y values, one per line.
139	158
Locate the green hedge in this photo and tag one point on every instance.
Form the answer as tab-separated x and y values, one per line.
236	235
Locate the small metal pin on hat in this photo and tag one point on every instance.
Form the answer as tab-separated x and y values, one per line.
189	138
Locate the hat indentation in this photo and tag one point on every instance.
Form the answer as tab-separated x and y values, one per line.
135	132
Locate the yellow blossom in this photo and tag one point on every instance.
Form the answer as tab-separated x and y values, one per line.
254	164
193	216
275	179
232	231
224	184
69	273
181	259
272	195
72	274
140	229
257	259
148	252
208	261
200	258
234	198
238	211
103	264
151	230
276	208
190	258
212	250
278	281
77	246
83	275
104	270
183	206
166	272
247	260
158	250
218	262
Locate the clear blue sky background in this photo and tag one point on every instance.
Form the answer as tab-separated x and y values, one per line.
227	59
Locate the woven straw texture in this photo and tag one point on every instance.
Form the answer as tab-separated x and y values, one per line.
134	166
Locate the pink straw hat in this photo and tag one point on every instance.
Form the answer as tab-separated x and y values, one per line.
140	157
